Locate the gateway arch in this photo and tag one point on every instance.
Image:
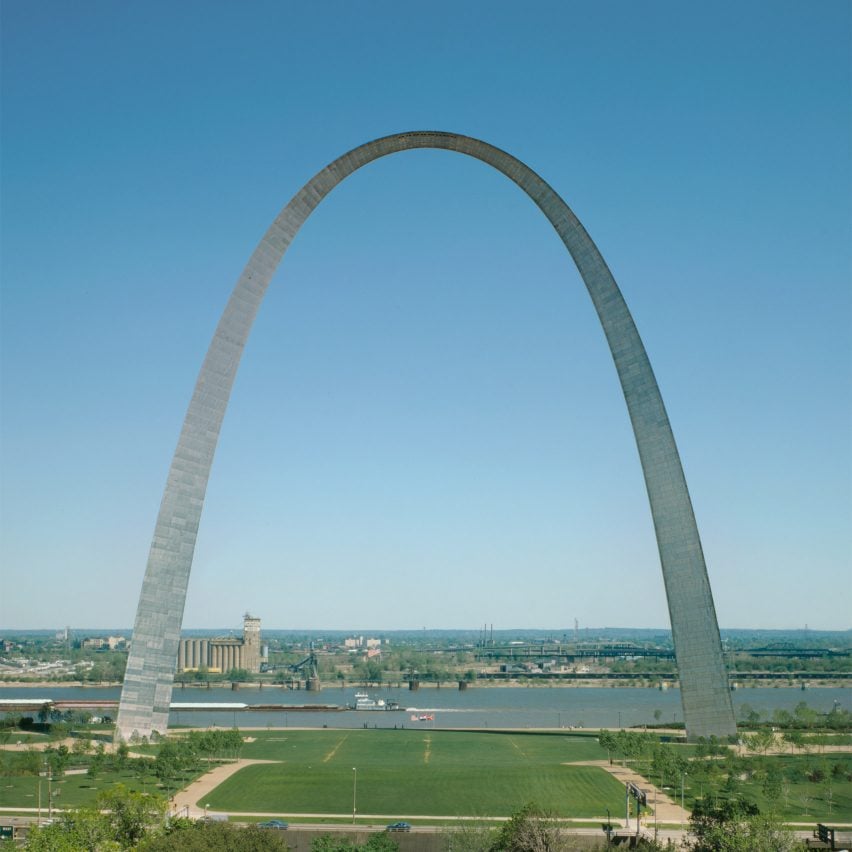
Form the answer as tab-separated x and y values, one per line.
146	694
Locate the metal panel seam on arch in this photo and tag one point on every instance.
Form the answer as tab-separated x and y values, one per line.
146	694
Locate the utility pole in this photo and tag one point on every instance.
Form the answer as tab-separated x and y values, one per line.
656	830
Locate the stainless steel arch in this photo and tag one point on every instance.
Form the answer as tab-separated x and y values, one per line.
147	687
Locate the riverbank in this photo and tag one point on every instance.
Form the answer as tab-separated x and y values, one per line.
663	684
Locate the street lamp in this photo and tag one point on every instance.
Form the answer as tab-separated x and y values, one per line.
205	812
354	791
49	796
656	831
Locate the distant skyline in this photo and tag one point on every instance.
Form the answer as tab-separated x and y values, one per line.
427	429
555	632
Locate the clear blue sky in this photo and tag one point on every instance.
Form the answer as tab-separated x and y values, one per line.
427	429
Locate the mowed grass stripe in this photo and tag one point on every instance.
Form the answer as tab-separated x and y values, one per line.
333	752
465	774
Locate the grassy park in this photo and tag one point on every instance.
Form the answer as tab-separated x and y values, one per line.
412	773
431	774
73	789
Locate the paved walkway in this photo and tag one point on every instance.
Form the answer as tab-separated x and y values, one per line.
185	802
666	808
38	745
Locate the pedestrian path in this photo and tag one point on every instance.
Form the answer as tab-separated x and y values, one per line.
185	802
666	809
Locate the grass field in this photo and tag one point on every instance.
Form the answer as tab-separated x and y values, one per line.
799	797
413	773
74	788
21	791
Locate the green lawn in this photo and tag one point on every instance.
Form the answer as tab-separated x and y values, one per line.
419	773
811	787
21	791
19	788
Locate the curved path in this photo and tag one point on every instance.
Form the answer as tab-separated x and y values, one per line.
186	801
144	706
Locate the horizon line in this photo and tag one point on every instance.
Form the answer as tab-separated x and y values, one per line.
569	630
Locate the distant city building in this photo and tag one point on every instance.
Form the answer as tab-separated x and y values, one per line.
98	642
222	655
355	643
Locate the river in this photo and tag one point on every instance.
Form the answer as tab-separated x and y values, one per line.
476	707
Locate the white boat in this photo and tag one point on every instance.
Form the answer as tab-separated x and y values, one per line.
364	702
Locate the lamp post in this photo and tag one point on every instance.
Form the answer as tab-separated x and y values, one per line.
608	829
682	776
656	832
205	812
354	792
49	792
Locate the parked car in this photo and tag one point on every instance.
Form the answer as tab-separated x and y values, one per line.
399	826
274	823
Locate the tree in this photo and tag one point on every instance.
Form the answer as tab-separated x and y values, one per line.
336	843
329	843
188	836
130	814
760	742
772	784
167	764
119	821
82	745
782	717
805	716
528	830
737	826
607	741
795	739
470	837
80	829
122	754
58	759
667	763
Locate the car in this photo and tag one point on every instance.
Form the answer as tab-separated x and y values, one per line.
399	826
274	823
